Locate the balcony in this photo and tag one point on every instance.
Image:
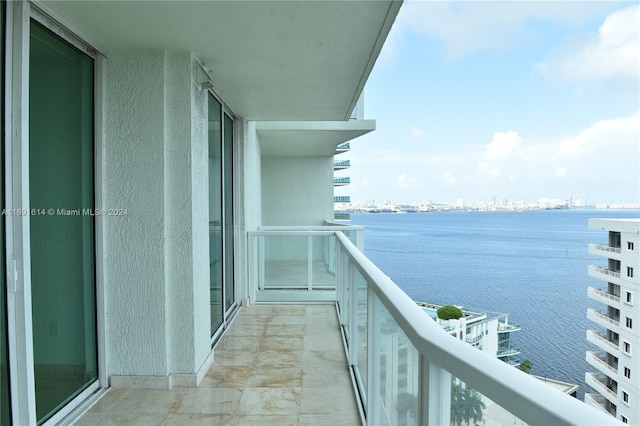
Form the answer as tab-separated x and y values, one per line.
601	341
403	365
276	364
472	340
602	319
599	361
341	164
598	382
343	181
603	297
598	401
342	199
606	251
341	215
343	147
504	328
286	364
602	273
508	351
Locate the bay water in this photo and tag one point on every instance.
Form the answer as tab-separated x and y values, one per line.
531	265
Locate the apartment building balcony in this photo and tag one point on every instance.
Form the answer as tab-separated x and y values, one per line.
603	297
508	351
342	199
276	365
602	319
341	215
601	341
504	328
599	382
599	361
606	251
338	362
602	273
598	401
472	340
341	164
342	148
343	181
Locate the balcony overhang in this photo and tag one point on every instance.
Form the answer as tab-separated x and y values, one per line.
269	60
308	138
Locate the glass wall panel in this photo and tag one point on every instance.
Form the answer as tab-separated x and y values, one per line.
61	183
216	264
228	212
5	417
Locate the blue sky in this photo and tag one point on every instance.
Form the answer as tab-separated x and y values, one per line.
515	99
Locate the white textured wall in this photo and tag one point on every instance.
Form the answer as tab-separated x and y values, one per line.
252	206
297	190
156	257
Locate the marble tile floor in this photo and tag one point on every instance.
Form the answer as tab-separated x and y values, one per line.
276	365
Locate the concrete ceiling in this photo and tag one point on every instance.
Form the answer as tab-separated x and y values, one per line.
297	138
270	60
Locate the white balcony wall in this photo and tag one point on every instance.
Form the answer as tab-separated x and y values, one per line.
156	257
252	185
297	190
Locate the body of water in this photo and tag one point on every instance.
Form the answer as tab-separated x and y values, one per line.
531	265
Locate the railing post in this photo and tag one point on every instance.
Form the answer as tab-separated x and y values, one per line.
435	394
261	260
373	360
309	262
353	317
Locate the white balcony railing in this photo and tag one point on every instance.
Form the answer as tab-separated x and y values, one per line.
594	248
595	271
602	296
600	363
596	400
406	368
597	382
601	318
602	342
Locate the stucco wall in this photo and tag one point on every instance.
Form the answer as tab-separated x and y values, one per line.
156	288
297	190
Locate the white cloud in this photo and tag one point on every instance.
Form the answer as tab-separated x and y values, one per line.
466	27
602	134
502	145
406	182
611	54
417	133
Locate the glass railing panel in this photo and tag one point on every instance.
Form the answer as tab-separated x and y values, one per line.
470	407
343	292
298	262
399	374
360	287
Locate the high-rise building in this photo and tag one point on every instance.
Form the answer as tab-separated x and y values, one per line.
616	356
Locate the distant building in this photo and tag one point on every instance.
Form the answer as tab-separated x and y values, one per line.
488	332
616	360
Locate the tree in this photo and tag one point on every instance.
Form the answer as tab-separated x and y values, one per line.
448	312
526	366
466	405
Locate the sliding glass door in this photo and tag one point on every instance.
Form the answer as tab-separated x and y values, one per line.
221	248
61	191
5	416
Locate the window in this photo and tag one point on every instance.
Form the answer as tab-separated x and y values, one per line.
624	419
629	245
629	323
626	348
627	297
629	272
627	372
625	397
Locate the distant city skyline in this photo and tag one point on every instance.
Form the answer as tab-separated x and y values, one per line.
524	100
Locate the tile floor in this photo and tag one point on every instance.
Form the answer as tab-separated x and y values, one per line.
276	365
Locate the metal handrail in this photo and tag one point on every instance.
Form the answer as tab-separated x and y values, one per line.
525	397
